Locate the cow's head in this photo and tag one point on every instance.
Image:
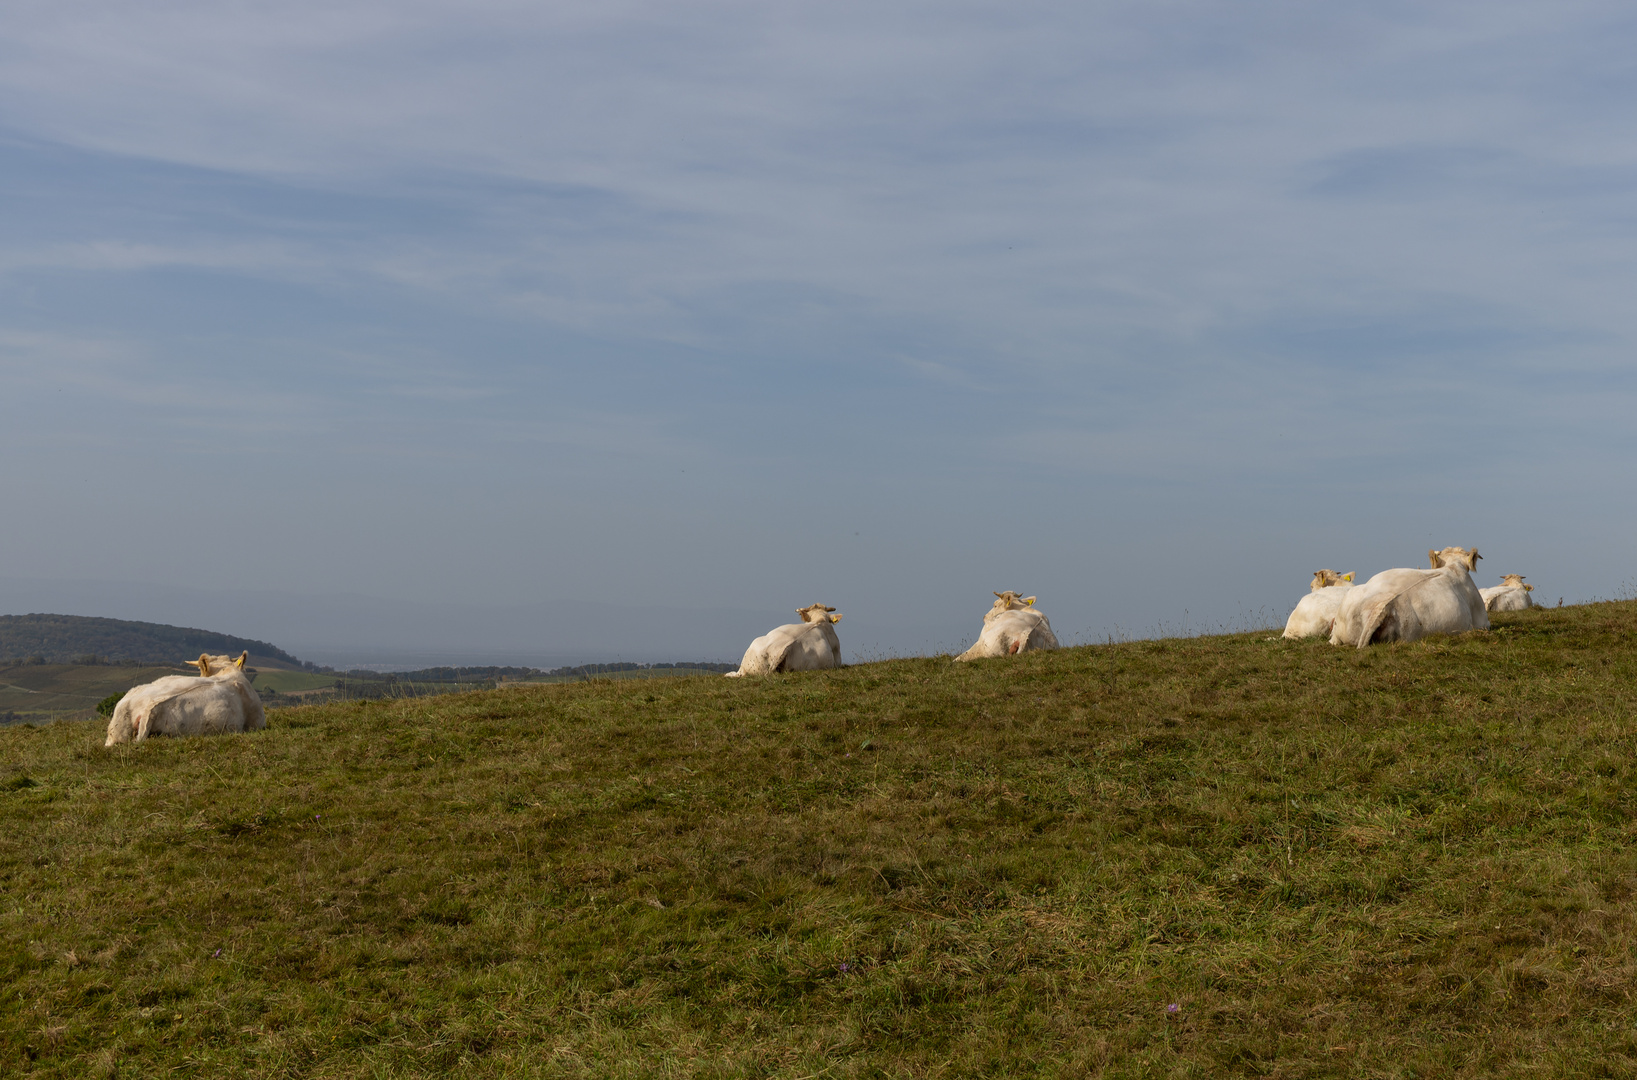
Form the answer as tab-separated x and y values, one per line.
1006	601
1450	555
1323	579
817	613
1516	582
216	665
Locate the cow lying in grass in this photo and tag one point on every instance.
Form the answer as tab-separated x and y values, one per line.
810	645
218	701
1407	604
1511	595
1315	613
1011	626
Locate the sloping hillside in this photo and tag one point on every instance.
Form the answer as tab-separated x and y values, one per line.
1231	856
41	693
66	639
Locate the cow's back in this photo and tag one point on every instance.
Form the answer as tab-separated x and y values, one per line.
1506	598
1408	604
180	706
1040	634
1457	610
1010	631
212	709
1362	603
793	647
755	661
131	715
815	648
1315	614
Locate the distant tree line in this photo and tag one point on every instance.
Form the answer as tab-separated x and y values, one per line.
73	639
88	659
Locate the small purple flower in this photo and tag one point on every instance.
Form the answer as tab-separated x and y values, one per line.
217	953
1173	1008
844	968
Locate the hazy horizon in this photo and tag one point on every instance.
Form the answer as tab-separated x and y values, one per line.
699	313
543	635
532	635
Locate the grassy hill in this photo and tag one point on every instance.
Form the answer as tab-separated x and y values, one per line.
70	639
1229	856
34	692
40	693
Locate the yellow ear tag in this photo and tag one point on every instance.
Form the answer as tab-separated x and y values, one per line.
1029	602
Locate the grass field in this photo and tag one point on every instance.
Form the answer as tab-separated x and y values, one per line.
1228	856
43	692
286	681
638	673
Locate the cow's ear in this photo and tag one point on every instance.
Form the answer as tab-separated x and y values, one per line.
239	663
1472	561
204	663
1433	557
1528	588
835	618
1028	601
1347	576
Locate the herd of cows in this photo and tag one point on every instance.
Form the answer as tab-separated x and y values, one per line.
1012	625
1405	604
1395	605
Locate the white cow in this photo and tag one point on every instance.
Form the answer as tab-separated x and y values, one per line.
1316	612
810	645
1011	626
1513	595
220	700
1404	605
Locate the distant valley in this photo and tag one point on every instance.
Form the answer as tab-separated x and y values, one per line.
57	667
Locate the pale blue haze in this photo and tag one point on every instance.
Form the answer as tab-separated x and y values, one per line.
391	329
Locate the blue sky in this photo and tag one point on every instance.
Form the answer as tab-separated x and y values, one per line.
369	327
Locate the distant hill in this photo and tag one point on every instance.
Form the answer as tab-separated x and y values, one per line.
69	639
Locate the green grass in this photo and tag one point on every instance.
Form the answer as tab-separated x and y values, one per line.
1416	860
285	681
41	693
636	673
44	692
